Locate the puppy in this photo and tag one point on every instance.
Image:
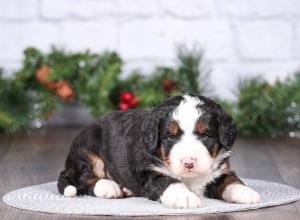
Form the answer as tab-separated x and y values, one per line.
175	153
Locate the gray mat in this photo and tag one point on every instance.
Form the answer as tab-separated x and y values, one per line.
45	198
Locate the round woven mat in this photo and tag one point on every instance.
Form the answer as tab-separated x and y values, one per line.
45	198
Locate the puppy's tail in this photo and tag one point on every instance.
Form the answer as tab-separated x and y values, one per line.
64	183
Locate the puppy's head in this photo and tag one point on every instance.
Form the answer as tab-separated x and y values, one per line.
192	133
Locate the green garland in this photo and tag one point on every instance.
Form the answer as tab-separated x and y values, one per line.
269	110
14	105
92	76
96	81
262	109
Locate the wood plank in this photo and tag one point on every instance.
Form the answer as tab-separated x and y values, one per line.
251	159
286	154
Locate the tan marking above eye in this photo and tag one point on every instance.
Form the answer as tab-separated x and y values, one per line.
201	127
173	128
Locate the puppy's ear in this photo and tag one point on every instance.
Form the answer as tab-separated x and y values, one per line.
227	129
151	124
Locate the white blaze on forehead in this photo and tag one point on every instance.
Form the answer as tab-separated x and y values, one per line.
188	146
187	113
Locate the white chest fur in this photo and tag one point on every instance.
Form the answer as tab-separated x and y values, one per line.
197	184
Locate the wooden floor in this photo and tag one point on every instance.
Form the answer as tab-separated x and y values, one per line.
27	159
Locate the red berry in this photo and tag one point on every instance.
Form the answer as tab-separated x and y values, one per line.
123	106
133	103
126	97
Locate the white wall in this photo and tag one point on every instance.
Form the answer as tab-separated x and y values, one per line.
240	37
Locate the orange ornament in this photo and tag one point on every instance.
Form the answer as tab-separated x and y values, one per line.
61	88
42	76
64	91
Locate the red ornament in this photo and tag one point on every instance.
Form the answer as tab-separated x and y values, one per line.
126	97
123	106
133	103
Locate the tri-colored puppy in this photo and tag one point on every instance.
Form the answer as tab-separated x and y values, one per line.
175	153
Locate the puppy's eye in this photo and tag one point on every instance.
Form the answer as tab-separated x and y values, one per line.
203	137
171	137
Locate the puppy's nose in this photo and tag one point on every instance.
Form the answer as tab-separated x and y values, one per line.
189	162
189	165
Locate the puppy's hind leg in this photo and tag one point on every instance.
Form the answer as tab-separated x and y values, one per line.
101	183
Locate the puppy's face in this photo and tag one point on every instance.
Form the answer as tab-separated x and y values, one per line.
191	137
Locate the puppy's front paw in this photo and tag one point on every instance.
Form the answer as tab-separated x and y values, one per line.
108	189
177	195
239	193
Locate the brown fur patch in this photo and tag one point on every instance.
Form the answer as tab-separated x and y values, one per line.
92	181
164	157
127	192
226	167
214	150
201	127
173	128
98	165
229	179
